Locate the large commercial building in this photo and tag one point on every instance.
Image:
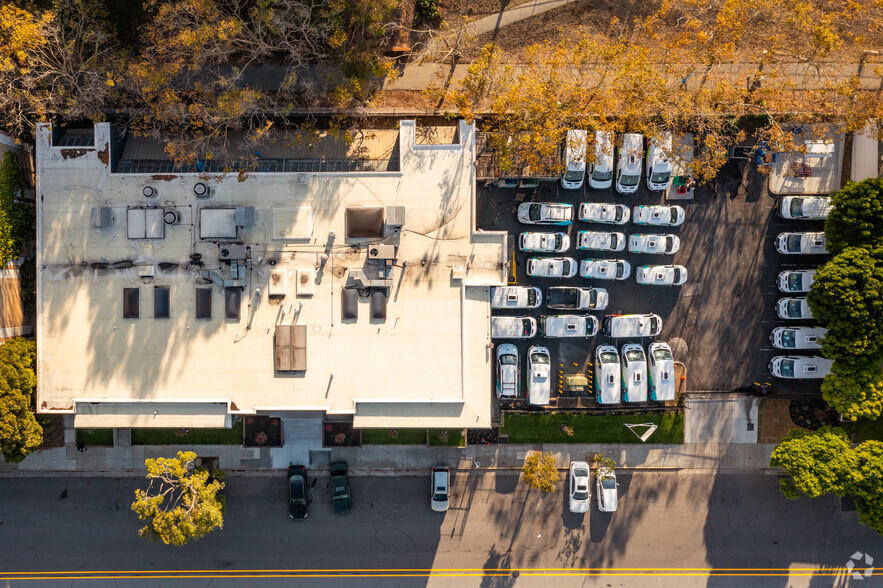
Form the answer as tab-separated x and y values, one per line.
181	299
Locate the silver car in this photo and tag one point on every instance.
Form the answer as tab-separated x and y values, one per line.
605	482
441	483
580	490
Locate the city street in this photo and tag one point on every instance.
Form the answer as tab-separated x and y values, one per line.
671	529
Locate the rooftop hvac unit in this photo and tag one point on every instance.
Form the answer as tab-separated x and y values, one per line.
147	271
149	191
395	216
244	217
102	218
202	191
173	217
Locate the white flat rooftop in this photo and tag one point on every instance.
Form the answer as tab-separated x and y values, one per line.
427	364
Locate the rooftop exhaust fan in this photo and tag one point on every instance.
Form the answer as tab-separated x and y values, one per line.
149	191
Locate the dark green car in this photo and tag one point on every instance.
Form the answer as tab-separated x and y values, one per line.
340	488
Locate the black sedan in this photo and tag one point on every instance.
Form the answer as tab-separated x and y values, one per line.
298	492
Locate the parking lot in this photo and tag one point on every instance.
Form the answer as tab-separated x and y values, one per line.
718	323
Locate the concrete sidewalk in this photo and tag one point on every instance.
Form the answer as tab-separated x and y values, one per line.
404	459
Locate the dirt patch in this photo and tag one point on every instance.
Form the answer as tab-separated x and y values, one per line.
53	431
455	11
163	178
482	436
104	155
341	435
811	413
74	153
262	431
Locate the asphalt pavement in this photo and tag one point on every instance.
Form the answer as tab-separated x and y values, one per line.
719	321
671	529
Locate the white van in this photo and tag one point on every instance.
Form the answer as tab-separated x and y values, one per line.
619	326
601	169
574	160
516	297
568	325
628	169
513	327
658	165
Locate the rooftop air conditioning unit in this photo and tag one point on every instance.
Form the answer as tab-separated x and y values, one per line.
149	191
173	217
202	191
147	271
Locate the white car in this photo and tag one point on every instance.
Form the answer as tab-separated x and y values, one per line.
545	213
793	367
607	375
662	372
551	267
796	280
539	365
805	207
604	212
507	371
660	244
605	489
544	242
797	337
661	275
605	269
513	297
661	216
793	308
580	491
441	483
801	244
571	298
634	373
597	241
568	325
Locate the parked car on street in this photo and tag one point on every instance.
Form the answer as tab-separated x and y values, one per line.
545	213
634	373
607	375
551	267
801	244
661	216
797	337
544	242
662	372
340	488
538	375
605	269
600	241
605	490
514	297
572	298
604	212
793	367
796	280
659	244
805	207
580	491
793	308
513	327
661	275
441	482
298	492
507	371
568	325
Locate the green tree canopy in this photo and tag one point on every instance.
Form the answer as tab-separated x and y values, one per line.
857	217
181	503
824	462
540	471
854	393
847	298
20	433
16	218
